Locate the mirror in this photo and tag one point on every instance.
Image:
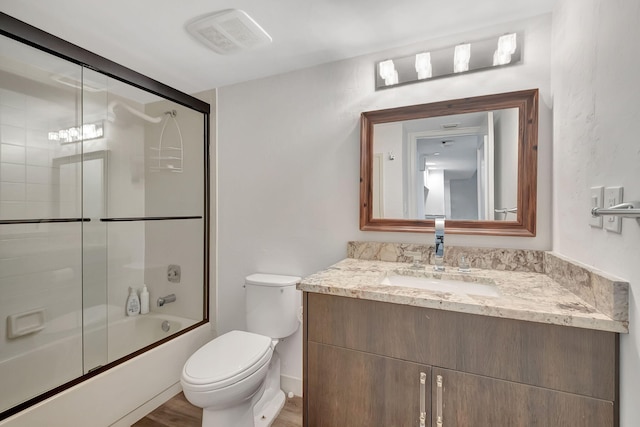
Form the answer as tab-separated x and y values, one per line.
471	160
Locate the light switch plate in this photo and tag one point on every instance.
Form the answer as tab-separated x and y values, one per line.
612	197
597	201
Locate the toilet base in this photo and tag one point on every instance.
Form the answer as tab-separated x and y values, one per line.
272	401
265	414
260	410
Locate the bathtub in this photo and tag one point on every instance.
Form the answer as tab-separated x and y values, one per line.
130	334
31	373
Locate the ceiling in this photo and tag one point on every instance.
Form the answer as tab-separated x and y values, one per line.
149	36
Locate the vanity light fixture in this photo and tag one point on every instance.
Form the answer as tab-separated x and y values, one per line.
461	57
423	65
388	72
507	45
429	64
78	133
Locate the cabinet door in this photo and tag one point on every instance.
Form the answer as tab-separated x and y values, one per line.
356	389
466	400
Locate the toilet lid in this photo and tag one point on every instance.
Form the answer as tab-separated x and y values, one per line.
226	357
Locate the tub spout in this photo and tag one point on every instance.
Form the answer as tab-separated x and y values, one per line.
166	300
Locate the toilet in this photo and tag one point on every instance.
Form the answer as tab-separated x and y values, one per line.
235	378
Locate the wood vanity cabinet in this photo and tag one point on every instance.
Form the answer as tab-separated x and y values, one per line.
364	361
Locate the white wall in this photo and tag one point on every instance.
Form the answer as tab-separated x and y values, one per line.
288	164
435	202
596	87
463	195
506	161
388	139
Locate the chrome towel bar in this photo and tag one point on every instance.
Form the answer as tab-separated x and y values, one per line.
625	210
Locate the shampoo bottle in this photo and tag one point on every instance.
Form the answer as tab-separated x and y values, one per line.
144	300
133	303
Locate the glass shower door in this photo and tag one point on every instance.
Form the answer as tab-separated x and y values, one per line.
103	190
94	161
40	224
143	191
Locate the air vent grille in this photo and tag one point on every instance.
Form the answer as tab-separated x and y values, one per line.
228	31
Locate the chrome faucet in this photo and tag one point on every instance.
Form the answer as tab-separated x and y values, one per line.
166	300
439	258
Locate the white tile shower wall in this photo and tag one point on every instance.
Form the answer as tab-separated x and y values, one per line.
26	188
123	242
175	242
126	257
595	91
40	267
288	159
40	264
173	194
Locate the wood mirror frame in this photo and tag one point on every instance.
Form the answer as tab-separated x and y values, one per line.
525	101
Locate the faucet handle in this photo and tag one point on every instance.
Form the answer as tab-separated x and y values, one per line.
416	257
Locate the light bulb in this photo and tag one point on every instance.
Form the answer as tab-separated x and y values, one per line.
461	57
386	69
507	44
423	65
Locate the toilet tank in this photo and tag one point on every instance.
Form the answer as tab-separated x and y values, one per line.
272	303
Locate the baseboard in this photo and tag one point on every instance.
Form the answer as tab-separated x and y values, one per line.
291	384
148	407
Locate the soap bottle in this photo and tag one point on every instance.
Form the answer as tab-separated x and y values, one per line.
133	303
144	300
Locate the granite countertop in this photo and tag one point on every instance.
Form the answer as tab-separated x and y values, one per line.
530	296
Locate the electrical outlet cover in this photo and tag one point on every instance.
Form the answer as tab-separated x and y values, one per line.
597	201
612	197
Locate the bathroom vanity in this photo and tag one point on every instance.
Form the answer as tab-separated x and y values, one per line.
535	353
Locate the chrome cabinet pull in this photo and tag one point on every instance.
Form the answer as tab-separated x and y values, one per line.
423	411
439	401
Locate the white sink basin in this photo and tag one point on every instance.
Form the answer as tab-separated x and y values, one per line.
441	285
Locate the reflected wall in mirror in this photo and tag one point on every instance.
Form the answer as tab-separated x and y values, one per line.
472	161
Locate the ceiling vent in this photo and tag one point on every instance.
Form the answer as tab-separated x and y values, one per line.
228	31
450	125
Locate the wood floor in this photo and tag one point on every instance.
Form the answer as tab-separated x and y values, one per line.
178	412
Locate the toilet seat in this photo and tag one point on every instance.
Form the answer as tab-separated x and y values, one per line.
226	360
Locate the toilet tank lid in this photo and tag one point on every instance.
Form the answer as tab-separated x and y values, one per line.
261	279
